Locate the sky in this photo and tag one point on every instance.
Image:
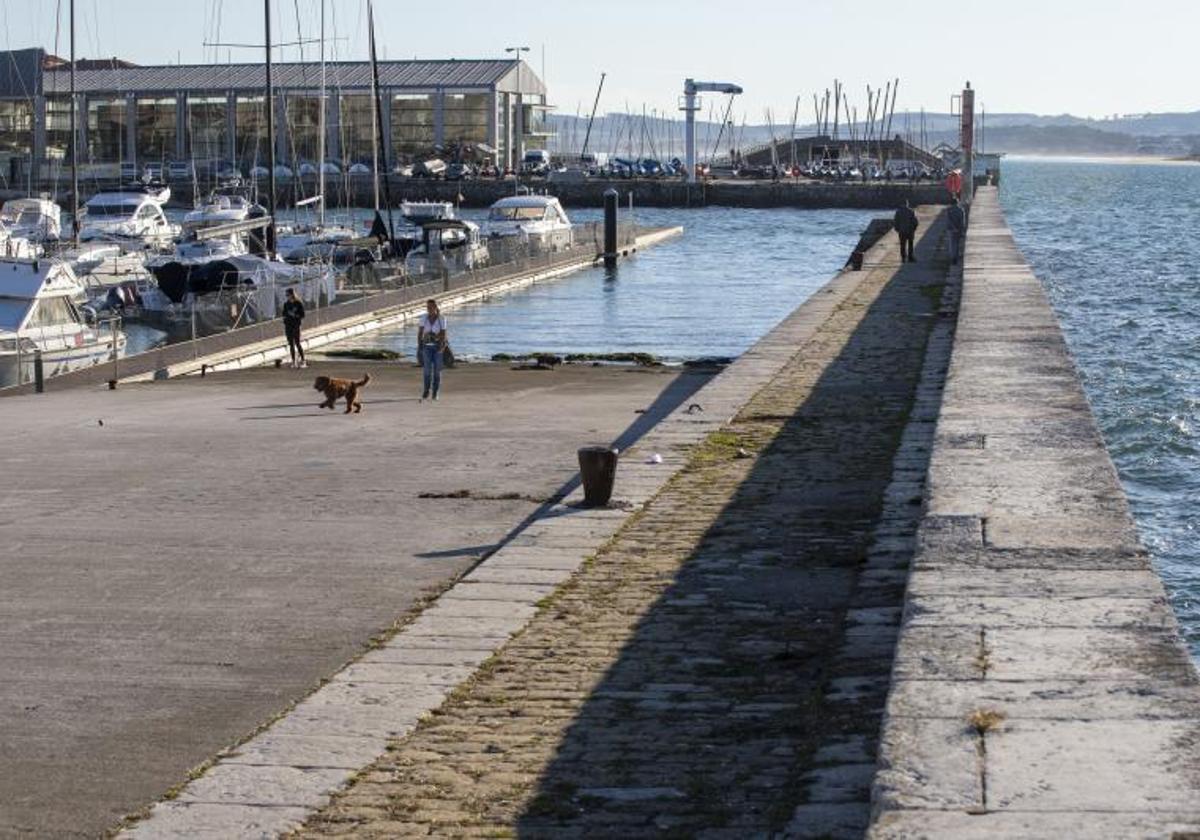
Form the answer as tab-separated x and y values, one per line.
1085	57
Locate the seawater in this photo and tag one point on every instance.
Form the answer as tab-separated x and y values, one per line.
731	277
1114	245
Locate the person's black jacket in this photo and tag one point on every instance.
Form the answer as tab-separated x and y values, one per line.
956	218
293	313
905	221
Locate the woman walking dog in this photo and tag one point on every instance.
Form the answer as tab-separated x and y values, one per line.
431	346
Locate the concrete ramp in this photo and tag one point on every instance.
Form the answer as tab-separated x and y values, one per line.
1040	688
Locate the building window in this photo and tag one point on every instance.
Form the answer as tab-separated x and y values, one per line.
207	128
412	124
250	127
465	119
304	122
156	129
357	132
58	127
16	126
106	130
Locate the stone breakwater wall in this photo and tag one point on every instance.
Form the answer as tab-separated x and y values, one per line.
1040	687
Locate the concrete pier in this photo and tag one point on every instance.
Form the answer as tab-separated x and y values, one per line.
876	578
1040	687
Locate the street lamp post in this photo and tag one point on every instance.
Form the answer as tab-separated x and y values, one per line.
518	130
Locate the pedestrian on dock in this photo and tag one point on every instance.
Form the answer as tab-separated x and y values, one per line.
431	348
956	219
906	224
293	314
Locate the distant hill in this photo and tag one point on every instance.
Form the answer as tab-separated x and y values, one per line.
1013	133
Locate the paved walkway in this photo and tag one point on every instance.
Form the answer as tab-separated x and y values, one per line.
724	658
1041	688
175	577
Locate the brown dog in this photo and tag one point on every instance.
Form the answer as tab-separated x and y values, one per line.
335	389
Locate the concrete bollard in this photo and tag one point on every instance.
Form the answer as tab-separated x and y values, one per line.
611	201
598	470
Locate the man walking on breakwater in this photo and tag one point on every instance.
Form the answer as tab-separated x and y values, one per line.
956	219
905	222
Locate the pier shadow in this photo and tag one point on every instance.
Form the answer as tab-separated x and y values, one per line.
717	704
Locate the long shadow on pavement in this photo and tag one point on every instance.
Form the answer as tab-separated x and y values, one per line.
718	700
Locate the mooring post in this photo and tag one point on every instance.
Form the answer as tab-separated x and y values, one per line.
39	373
611	200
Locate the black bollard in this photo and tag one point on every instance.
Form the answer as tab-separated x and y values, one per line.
598	470
39	372
611	200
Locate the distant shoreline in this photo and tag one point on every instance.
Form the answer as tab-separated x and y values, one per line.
1093	158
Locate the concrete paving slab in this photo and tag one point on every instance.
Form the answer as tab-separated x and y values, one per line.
237	784
217	822
1102	825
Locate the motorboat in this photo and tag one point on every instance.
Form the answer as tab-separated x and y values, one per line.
413	214
39	314
538	220
223	206
27	225
133	215
447	245
233	291
305	243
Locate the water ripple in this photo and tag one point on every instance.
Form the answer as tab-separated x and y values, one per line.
1109	242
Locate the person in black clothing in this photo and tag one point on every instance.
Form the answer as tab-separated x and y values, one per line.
905	222
956	221
293	314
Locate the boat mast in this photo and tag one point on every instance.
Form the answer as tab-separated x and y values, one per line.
591	119
74	141
321	128
270	106
376	106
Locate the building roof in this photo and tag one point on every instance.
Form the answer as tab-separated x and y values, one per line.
451	74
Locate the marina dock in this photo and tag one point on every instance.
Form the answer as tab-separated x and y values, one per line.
262	343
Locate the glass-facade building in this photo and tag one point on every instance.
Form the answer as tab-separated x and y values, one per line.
477	110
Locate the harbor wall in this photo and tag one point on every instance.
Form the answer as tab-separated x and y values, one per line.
1040	687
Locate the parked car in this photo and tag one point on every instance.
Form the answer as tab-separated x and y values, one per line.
226	170
459	172
404	170
359	168
129	171
536	162
331	167
153	172
432	168
307	169
282	171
